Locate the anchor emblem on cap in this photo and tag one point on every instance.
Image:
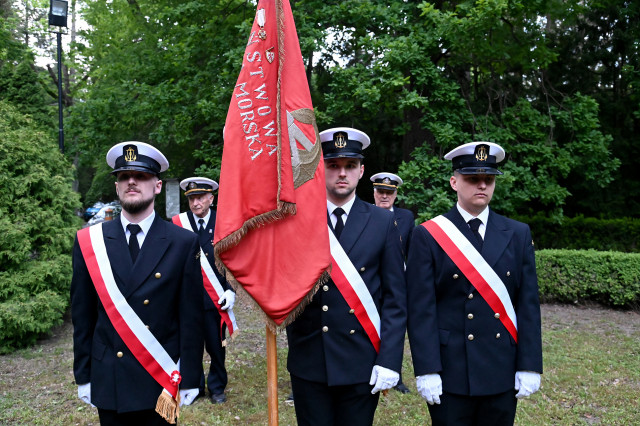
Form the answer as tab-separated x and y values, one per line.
481	153
340	140
129	154
192	185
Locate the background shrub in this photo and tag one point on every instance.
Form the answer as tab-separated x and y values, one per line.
37	227
578	276
585	233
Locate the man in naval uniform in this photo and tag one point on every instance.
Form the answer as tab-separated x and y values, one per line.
202	218
385	190
156	286
336	371
473	307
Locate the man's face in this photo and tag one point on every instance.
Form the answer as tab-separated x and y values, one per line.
384	197
474	191
341	177
200	204
137	190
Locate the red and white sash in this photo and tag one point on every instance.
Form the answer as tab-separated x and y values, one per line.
140	341
476	269
354	290
210	280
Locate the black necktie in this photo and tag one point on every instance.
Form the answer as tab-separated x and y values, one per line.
474	224
134	248
201	228
338	212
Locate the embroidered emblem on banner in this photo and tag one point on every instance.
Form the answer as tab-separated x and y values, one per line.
270	54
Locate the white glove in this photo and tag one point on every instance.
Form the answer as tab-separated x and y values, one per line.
430	387
187	396
84	393
228	298
527	383
383	378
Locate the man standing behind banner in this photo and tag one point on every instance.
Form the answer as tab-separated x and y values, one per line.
474	313
385	190
136	302
218	295
337	368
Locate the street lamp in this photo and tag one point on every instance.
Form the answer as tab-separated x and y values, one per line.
58	17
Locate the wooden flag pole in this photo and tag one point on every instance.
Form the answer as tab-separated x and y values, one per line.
272	377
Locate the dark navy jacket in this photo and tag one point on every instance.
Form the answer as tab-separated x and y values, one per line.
406	223
206	242
164	288
444	310
343	354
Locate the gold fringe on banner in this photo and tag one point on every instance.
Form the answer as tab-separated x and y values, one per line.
168	407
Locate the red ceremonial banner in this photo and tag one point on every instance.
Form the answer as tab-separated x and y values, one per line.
271	228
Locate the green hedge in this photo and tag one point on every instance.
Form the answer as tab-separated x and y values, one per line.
37	227
581	233
578	276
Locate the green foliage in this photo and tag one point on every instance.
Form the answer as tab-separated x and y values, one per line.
160	72
579	233
537	168
578	276
554	82
37	225
19	82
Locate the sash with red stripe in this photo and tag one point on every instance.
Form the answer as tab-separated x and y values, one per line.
354	290
211	283
140	341
476	269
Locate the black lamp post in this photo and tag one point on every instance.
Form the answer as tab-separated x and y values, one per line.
58	17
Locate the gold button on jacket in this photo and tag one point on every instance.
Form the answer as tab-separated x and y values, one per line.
119	354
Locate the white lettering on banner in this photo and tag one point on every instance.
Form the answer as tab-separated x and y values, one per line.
253	38
253	103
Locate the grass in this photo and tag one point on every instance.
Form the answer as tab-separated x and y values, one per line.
591	358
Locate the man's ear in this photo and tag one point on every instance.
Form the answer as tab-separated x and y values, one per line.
454	183
158	187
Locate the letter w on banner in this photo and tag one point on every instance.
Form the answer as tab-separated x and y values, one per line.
271	233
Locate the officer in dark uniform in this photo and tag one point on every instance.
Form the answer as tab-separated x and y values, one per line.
466	359
385	190
336	372
200	193
156	269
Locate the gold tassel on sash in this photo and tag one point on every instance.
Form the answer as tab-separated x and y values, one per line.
168	407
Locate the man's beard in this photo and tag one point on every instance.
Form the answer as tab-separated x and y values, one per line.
134	207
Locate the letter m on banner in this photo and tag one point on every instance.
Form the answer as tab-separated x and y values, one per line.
271	228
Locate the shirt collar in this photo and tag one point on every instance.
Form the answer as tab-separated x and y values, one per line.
145	223
206	219
346	207
483	216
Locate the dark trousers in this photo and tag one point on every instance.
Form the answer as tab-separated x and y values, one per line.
489	410
319	404
132	418
217	379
